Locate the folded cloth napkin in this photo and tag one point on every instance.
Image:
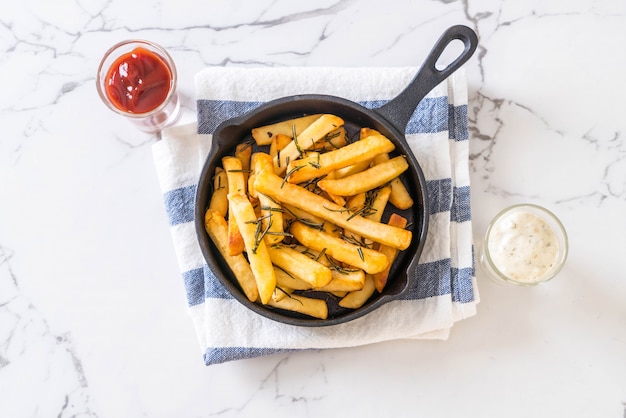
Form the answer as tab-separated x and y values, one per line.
437	134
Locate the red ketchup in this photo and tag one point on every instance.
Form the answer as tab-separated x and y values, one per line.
138	81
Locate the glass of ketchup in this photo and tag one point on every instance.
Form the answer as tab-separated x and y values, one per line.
137	79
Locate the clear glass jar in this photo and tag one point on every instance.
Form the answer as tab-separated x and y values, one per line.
524	245
165	110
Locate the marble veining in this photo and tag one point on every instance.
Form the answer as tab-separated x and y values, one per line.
92	314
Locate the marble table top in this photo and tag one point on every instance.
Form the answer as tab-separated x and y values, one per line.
93	316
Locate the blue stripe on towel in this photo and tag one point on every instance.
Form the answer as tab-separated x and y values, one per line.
461	210
440	195
194	286
223	354
179	204
431	115
212	287
213	112
462	289
433	279
457	124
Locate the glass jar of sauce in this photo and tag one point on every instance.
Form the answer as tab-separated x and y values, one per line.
524	245
137	79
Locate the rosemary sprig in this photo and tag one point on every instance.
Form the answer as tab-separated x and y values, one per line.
315	164
260	232
240	171
338	268
321	254
295	139
289	173
360	251
342	210
272	209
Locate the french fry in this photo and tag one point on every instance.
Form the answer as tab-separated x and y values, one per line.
357	298
234	175
217	228
301	198
243	152
356	204
312	167
219	201
345	281
364	132
297	214
284	279
352	169
263	135
279	142
271	211
366	180
337	199
305	141
380	279
376	207
300	266
333	140
258	255
363	258
400	196
316	308
280	292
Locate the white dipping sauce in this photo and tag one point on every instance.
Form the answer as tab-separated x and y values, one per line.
523	246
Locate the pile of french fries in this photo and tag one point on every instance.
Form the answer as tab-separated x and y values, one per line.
305	214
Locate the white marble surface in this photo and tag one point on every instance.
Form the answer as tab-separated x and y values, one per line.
93	319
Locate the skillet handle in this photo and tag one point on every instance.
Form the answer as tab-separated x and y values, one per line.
399	110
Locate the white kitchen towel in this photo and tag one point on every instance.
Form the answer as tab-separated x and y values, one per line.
438	135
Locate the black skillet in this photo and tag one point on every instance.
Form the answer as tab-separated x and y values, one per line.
391	120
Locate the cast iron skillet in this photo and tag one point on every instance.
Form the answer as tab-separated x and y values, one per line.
391	120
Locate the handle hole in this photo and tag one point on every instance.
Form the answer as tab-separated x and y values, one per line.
451	52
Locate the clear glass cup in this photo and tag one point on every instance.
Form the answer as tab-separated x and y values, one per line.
524	245
166	111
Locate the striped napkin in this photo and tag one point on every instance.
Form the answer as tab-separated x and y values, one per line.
437	134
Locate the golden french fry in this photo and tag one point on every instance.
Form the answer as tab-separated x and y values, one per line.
300	266
258	255
297	214
305	141
271	211
333	140
365	132
400	196
380	279
356	204
357	298
305	200
278	143
369	179
352	169
263	135
316	308
243	152
219	201
235	179
312	167
346	280
376	202
363	258
280	292
217	228
286	280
